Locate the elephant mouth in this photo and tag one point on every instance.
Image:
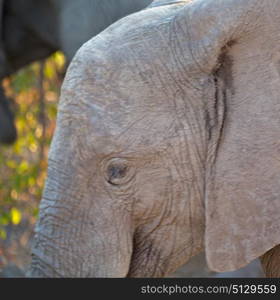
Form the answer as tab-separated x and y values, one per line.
147	260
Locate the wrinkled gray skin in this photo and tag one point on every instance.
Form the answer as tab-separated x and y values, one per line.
167	143
33	29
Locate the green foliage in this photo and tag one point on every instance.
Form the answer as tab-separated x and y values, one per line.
34	91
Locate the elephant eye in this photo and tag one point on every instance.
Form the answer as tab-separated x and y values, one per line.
118	171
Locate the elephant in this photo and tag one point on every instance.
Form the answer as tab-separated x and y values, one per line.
8	131
34	29
167	145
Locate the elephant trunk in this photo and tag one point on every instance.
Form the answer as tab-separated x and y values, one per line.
79	248
78	234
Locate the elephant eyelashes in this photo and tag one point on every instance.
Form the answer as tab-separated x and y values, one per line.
118	171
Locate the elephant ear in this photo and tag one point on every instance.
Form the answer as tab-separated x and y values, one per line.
240	41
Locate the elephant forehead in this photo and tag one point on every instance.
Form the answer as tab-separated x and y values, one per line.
115	116
130	132
145	132
132	114
129	90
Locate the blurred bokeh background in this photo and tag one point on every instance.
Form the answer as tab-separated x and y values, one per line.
34	92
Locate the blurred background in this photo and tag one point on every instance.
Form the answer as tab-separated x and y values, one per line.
34	92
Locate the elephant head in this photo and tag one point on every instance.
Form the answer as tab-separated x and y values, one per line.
167	142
